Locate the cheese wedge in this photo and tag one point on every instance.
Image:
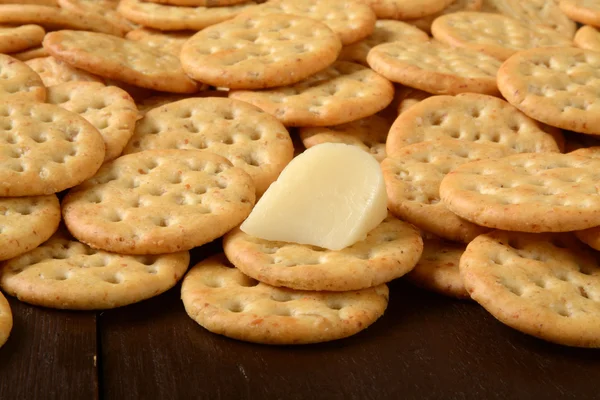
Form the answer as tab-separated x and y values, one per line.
330	196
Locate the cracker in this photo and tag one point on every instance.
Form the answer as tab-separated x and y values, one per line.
437	269
493	34
412	178
367	133
390	250
66	274
53	18
469	116
406	9
385	31
341	93
26	55
535	12
225	301
26	222
159	100
249	138
159	201
560	88
582	11
102	8
109	109
165	42
424	23
588	38
54	71
174	18
543	192
19	38
45	149
349	19
6	320
435	67
255	52
545	285
120	59
19	82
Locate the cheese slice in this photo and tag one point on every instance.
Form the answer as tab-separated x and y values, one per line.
330	196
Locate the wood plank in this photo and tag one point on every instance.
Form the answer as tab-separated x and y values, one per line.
426	346
49	355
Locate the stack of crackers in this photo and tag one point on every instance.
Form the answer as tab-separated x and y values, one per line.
132	132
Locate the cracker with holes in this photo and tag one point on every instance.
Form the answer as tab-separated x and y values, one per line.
424	23
588	38
54	71
53	18
349	19
19	38
412	178
6	320
165	42
102	8
19	82
559	88
406	9
341	93
367	133
536	13
108	108
116	58
249	138
225	301
45	149
385	31
390	250
437	269
472	117
435	67
159	201
256	52
66	274
493	34
26	55
582	11
167	17
542	192
545	285
26	222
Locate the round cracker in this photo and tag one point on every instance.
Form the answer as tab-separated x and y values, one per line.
435	67
255	51
6	320
26	55
541	192
472	117
225	301
588	38
116	58
102	8
349	19
19	38
165	42
545	285
412	179
54	72
159	201
248	137
559	87
385	31
390	250
437	269
341	93
18	81
26	222
406	9
66	274
45	149
582	11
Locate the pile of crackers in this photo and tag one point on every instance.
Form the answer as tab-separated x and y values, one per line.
132	132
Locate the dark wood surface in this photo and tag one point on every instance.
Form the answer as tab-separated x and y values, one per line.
424	347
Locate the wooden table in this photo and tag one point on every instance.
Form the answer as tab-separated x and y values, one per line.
424	347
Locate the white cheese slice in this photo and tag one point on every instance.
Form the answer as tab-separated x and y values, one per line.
330	196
